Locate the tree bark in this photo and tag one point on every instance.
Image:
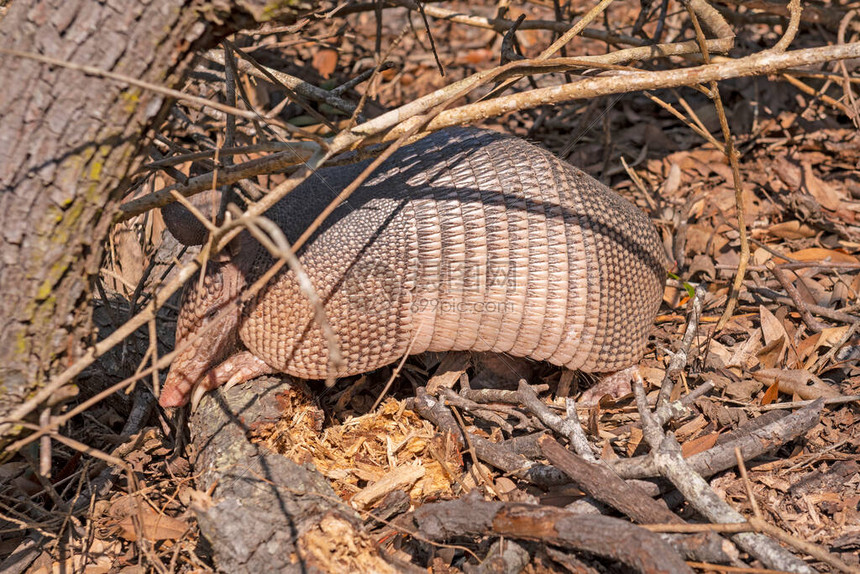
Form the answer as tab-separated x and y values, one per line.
68	144
267	513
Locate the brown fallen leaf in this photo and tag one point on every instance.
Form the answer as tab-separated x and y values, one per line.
791	230
448	373
325	62
153	526
775	338
771	394
788	172
820	254
826	194
700	444
797	382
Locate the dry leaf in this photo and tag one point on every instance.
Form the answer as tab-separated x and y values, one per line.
807	347
325	62
154	526
791	230
827	195
691	428
776	339
789	173
704	264
771	327
634	440
761	256
820	254
797	381
700	444
831	335
478	56
448	373
771	394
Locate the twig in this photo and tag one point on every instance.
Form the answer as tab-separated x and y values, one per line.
801	404
575	30
507	49
498	395
570	429
489	452
292	95
731	154
229	128
173	160
813	308
676	409
296	154
809	90
296	85
721	457
405	117
360	78
795	12
439	65
482	474
757	64
679	359
456	400
169	92
559	43
598	535
602	484
846	77
792	291
666	453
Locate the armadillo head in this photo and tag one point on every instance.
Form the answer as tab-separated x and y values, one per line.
206	330
208	323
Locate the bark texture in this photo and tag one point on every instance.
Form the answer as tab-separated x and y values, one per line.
68	142
267	513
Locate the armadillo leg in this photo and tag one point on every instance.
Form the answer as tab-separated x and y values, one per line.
616	385
239	368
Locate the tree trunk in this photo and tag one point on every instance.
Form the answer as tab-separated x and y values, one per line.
68	144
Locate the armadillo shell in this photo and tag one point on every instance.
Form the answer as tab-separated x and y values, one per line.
465	240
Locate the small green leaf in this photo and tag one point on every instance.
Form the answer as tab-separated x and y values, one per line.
691	291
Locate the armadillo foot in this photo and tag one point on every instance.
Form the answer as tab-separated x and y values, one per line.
616	385
239	368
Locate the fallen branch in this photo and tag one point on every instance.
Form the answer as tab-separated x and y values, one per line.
635	547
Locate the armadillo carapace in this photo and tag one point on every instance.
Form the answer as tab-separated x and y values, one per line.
465	240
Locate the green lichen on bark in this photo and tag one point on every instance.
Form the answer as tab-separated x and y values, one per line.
131	99
274	9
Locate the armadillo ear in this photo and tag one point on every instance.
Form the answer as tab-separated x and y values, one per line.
237	246
242	251
186	228
182	225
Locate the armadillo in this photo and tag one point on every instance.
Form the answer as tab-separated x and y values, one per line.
464	240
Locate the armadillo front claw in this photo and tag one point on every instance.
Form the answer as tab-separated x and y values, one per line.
234	380
197	395
238	369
